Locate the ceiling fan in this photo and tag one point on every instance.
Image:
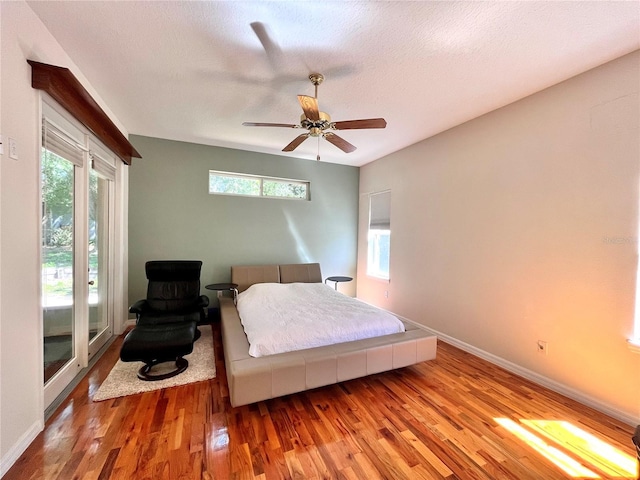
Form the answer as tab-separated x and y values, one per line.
319	123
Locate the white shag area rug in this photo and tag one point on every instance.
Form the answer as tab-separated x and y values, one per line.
123	379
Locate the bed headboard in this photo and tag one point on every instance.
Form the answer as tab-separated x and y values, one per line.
300	272
246	275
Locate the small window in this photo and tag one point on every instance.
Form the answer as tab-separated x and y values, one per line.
379	236
226	183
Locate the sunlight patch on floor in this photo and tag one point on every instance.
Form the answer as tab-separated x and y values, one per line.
589	449
562	460
596	452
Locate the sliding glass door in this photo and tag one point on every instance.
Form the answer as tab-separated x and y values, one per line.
77	190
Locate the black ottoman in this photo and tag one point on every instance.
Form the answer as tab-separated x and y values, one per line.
151	319
154	344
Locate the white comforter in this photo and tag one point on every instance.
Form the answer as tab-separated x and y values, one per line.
284	317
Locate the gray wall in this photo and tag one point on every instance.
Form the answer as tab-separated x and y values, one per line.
172	215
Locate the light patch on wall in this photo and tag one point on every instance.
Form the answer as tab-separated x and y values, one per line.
301	246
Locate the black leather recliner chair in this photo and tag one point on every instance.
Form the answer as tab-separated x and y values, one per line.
166	321
173	293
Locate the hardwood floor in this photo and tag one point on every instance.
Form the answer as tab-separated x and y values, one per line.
457	417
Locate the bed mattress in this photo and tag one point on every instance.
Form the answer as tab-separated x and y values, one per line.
280	318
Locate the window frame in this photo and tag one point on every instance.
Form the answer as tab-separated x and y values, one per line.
262	179
379	224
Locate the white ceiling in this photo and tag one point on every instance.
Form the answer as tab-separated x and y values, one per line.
194	71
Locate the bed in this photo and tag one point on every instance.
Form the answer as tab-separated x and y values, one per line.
254	379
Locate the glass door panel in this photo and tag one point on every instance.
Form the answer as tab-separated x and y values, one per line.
99	188
57	267
77	190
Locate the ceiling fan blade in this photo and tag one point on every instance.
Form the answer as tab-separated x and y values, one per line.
309	107
364	123
339	142
259	124
296	142
271	48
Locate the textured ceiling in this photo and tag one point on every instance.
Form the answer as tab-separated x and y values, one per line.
194	71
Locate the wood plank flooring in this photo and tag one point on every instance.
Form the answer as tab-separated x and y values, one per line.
457	417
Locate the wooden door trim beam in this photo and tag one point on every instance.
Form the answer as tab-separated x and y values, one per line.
65	88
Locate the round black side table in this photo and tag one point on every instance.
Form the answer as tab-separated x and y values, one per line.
225	287
337	279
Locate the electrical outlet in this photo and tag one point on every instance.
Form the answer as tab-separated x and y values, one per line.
542	347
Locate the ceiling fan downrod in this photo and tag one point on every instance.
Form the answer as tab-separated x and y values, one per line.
316	79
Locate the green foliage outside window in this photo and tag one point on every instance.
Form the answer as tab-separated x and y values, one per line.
234	185
273	188
57	196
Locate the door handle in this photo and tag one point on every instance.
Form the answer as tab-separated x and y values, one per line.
91	282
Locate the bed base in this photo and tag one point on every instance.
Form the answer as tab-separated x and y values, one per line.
255	379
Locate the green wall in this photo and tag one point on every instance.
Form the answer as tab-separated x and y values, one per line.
172	215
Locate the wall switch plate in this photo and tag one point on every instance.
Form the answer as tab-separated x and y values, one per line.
13	148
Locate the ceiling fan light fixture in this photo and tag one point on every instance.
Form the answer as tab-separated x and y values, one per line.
323	123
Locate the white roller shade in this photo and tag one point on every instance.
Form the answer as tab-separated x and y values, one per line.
380	211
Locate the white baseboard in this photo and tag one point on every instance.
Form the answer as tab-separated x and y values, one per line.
535	377
20	447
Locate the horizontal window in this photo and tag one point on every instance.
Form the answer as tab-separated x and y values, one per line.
227	183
